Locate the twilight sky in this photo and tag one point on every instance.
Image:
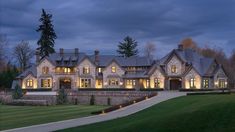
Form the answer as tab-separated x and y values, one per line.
101	24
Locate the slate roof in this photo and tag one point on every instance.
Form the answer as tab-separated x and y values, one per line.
104	60
190	56
32	70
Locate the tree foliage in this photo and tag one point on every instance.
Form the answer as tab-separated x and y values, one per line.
48	35
17	93
188	43
23	53
127	48
7	76
62	96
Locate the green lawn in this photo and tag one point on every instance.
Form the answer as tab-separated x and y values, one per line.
20	116
199	113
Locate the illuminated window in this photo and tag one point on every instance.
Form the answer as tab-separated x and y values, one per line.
173	69
130	82
192	83
113	69
45	83
147	83
206	83
222	83
67	70
45	70
99	70
156	83
113	81
85	83
29	83
86	70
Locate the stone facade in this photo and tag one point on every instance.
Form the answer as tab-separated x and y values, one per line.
179	69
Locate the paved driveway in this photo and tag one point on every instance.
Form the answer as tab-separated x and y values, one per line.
162	96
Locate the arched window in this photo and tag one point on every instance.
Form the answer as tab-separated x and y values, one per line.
173	69
113	69
45	70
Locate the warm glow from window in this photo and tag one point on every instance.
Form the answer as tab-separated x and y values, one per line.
206	83
113	69
113	81
192	83
156	83
29	83
86	70
45	70
173	69
85	82
46	83
222	83
99	70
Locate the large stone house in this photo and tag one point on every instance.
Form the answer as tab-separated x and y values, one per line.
71	69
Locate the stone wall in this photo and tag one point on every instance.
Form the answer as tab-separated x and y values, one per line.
101	97
51	99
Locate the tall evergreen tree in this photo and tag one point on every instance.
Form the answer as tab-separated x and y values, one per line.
48	35
128	47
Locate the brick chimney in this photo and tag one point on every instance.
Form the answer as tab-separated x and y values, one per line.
61	51
37	56
76	51
96	52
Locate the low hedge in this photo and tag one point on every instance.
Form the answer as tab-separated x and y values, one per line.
151	89
116	107
37	90
105	89
194	90
208	93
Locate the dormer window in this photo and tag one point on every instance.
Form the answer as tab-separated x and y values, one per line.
86	70
173	69
113	69
45	70
99	70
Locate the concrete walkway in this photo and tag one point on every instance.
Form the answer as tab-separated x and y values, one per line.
162	96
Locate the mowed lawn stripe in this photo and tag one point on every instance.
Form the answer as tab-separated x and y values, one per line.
45	119
40	114
35	110
43	113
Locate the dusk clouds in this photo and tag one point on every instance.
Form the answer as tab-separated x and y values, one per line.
101	24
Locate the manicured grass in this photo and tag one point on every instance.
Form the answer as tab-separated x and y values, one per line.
198	113
20	116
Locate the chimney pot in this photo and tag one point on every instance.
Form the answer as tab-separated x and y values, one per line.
180	47
61	51
96	56
76	51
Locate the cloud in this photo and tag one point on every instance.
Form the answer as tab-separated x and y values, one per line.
90	24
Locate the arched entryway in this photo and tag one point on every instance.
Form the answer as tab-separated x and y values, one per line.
65	83
175	84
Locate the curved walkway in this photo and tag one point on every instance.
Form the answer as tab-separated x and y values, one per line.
162	96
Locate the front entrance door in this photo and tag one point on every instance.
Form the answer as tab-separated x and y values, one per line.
175	84
65	83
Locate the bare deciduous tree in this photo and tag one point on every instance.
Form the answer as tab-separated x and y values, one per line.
23	53
149	50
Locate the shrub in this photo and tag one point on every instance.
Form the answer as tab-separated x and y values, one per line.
17	93
62	96
92	100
